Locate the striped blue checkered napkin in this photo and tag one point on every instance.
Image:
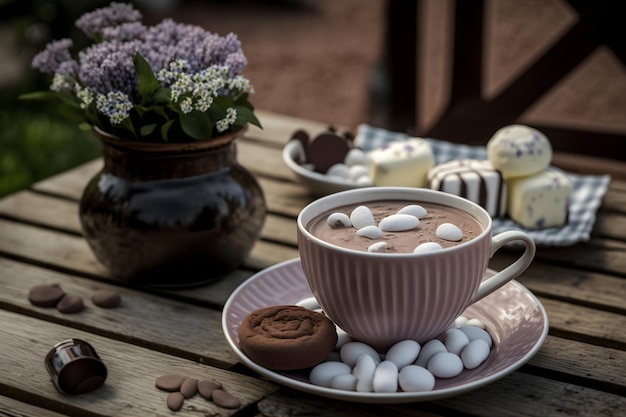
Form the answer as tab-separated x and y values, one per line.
586	198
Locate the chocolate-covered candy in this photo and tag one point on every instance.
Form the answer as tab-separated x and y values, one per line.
189	387
169	382
70	304
175	401
225	400
106	298
45	295
206	388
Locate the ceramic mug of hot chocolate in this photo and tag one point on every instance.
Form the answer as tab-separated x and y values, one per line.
380	298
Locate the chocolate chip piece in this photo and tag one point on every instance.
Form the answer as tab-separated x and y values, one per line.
206	388
45	295
70	304
224	399
169	382
106	298
175	401
189	387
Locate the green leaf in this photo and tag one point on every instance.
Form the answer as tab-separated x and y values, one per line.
148	83
245	115
166	128
147	130
197	125
224	102
71	112
40	95
162	95
242	100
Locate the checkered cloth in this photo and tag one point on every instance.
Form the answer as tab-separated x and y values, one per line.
586	198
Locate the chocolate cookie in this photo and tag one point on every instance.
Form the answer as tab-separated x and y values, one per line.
45	295
287	337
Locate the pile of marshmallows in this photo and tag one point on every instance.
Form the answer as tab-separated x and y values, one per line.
406	366
407	218
515	180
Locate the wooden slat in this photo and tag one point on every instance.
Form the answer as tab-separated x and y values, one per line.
11	407
147	320
577	286
515	395
129	389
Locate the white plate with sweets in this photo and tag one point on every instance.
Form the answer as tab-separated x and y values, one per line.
583	201
516	321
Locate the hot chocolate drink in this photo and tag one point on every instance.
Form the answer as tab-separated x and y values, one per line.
404	241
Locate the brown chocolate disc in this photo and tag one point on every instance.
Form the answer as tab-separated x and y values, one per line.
106	298
70	304
175	401
287	337
45	295
169	382
225	400
189	387
326	150
206	388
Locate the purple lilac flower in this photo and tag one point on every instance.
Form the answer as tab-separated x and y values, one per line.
125	32
108	66
56	53
95	22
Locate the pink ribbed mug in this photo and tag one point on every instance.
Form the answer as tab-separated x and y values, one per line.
382	298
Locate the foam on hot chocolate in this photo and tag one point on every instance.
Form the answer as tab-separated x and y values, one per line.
399	242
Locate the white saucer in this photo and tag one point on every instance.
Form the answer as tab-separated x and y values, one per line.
516	320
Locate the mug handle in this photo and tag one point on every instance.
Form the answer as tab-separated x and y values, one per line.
510	272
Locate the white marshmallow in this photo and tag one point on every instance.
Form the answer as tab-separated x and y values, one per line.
361	216
339	171
398	223
379	247
414	210
427	247
338	220
448	231
371	232
355	156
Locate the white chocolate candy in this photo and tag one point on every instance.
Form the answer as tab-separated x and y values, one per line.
371	232
355	156
379	247
351	351
476	323
540	201
339	171
364	373
519	150
473	333
427	247
346	382
475	353
413	378
414	210
361	216
455	340
398	223
403	353
476	180
338	220
448	231
357	171
323	373
445	365
401	163
385	377
429	349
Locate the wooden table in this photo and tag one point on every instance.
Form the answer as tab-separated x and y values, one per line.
580	369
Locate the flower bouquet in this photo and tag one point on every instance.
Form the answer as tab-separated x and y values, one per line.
168	82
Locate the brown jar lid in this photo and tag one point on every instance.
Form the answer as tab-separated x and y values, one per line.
75	367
